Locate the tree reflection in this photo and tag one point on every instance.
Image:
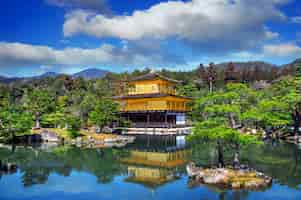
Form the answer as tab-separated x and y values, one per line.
37	165
280	160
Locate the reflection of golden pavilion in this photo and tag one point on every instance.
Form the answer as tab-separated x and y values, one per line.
150	176
158	159
155	168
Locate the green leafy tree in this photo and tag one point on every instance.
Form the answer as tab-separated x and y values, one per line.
220	115
217	131
104	113
14	121
287	92
39	102
86	106
189	90
73	126
229	103
4	96
298	70
55	119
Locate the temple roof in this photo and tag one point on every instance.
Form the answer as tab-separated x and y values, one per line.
151	95
146	162
149	183
153	76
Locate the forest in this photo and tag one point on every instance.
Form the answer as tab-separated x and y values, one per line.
225	100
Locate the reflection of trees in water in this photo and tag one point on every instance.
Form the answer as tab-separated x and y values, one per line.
37	165
280	160
33	177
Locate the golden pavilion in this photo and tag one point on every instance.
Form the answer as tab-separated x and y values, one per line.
151	102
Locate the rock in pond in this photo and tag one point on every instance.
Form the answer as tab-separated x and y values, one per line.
48	136
229	178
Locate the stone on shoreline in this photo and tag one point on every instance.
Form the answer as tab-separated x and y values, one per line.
230	178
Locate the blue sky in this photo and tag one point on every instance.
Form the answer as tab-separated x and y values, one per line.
70	35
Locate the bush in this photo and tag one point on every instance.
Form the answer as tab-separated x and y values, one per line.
73	126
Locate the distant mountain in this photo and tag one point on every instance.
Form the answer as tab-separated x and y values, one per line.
4	79
47	74
86	74
91	73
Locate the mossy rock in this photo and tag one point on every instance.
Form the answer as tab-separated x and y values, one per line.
234	179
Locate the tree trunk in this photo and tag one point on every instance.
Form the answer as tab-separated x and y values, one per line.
236	163
220	155
13	136
210	86
297	121
37	116
232	120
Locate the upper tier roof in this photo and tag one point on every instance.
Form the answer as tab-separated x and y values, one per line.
153	76
151	95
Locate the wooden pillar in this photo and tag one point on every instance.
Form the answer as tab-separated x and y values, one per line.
148	119
165	118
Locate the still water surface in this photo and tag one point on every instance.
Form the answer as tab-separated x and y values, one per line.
149	169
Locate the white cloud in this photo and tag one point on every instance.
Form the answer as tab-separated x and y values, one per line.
20	54
296	19
230	24
282	50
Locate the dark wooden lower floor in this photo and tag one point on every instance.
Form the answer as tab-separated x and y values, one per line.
155	119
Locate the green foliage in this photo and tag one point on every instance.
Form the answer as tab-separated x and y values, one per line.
104	113
298	70
14	121
190	90
216	130
38	103
229	104
54	119
73	126
86	106
274	113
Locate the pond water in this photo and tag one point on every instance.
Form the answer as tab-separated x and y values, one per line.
151	168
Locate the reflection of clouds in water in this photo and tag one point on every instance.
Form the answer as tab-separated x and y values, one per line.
75	183
78	183
72	184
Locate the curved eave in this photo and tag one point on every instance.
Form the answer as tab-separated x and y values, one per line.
157	95
154	76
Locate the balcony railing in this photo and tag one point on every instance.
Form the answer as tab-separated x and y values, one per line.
158	125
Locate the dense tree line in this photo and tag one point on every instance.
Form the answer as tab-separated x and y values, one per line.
72	103
225	115
61	102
